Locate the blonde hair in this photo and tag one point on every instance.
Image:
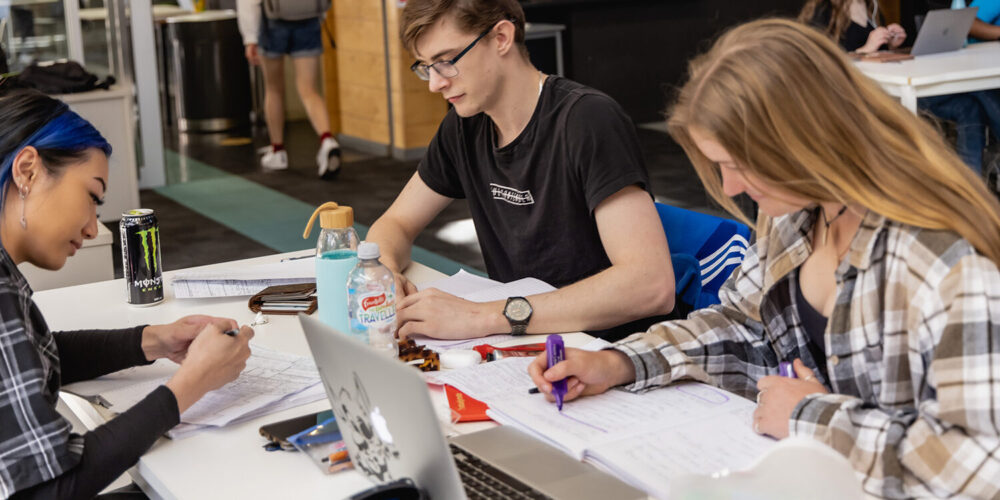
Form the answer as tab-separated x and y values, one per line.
786	103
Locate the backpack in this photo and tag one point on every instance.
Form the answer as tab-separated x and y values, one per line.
65	77
295	10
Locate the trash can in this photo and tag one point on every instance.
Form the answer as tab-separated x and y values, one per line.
209	78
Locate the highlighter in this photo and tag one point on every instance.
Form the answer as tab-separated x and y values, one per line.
556	351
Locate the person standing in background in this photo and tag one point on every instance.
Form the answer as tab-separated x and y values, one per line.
267	41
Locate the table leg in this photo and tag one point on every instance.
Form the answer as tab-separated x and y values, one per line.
908	98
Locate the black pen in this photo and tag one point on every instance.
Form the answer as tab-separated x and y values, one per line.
232	333
299	257
533	390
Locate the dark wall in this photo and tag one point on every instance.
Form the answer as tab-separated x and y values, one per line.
636	51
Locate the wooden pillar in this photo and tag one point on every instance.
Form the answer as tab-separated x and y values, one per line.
394	115
417	111
331	90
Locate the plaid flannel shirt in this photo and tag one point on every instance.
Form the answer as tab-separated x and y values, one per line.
35	441
912	352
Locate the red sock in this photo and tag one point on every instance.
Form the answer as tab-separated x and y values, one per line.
324	135
277	147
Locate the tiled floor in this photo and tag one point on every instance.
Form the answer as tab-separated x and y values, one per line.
368	184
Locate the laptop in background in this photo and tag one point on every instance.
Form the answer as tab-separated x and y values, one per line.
386	417
943	30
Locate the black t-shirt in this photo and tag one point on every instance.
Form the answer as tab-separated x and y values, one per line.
533	200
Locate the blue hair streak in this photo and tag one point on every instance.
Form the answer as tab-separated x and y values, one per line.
66	132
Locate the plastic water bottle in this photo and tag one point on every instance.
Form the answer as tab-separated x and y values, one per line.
336	255
957	4
371	292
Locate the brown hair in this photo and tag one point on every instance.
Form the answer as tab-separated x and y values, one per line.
786	103
471	16
839	12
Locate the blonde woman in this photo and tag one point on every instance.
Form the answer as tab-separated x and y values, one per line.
875	271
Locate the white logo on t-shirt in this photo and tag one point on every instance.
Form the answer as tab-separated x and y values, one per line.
511	195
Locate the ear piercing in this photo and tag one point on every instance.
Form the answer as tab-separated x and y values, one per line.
24	193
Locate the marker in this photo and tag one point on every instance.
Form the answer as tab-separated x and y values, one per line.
556	351
785	369
533	390
232	333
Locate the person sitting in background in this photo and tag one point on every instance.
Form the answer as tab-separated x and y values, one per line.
267	42
874	271
986	26
554	179
53	176
855	25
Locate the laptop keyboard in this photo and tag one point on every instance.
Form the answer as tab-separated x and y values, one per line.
483	481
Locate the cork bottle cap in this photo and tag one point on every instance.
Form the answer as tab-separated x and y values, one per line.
331	216
337	218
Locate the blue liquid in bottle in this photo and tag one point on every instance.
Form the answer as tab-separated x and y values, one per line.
332	269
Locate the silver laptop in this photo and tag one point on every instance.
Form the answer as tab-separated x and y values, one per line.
944	30
392	432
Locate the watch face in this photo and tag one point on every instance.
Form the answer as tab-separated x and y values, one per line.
518	310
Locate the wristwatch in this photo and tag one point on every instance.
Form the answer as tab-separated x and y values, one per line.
518	312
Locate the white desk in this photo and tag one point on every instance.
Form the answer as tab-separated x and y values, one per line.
227	462
976	67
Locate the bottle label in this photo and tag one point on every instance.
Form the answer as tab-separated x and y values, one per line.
376	308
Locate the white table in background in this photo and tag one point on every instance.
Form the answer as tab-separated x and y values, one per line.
975	67
227	462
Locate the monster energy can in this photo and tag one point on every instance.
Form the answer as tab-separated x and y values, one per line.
141	262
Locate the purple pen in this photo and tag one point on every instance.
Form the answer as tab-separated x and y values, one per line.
556	351
785	369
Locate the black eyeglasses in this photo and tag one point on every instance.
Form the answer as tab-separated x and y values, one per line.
447	68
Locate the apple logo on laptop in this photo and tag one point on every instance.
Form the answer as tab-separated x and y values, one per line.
381	426
945	32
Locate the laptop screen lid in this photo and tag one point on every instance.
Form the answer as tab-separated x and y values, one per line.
384	413
944	30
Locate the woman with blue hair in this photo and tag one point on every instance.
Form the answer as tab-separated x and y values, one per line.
53	176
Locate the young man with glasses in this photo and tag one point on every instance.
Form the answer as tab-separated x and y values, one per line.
554	178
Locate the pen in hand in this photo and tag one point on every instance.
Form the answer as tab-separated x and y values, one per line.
785	369
556	352
232	333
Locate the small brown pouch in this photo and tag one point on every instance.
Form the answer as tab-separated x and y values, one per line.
285	299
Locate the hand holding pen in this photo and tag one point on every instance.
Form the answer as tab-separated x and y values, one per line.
585	372
779	394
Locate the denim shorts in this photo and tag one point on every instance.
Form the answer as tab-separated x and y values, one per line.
295	38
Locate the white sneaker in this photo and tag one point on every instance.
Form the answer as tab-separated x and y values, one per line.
328	157
275	160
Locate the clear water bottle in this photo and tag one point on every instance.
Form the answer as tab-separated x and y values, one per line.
371	299
336	255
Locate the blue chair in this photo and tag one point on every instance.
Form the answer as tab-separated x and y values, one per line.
704	250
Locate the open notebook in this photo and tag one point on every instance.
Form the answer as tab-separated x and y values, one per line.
644	439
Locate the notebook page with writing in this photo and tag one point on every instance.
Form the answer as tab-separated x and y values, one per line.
651	460
643	438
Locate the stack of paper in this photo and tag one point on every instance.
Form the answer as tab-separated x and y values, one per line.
272	381
478	289
644	439
246	280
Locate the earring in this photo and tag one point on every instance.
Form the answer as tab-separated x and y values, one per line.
24	193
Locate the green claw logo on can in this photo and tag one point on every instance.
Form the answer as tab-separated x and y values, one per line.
154	236
141	257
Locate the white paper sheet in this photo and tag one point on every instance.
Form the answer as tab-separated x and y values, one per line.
478	289
242	281
269	377
644	438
